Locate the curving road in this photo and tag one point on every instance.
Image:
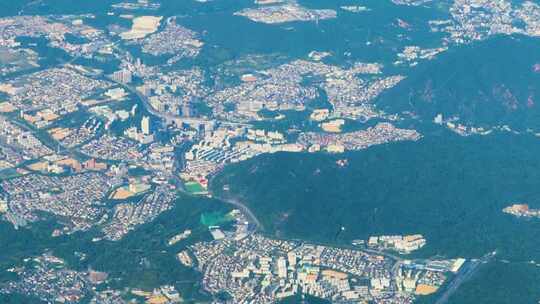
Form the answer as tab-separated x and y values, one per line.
144	100
246	211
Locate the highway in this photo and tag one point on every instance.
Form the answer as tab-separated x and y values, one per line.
190	121
252	218
243	208
171	117
198	121
150	109
238	204
465	273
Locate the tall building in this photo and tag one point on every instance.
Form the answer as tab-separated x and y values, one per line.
291	257
133	109
123	76
145	125
282	267
157	104
186	110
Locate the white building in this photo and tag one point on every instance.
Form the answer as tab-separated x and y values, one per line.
145	125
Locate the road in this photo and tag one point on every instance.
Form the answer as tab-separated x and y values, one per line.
243	208
171	117
398	259
466	272
144	100
190	121
252	218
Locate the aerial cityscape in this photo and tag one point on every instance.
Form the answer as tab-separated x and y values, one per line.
269	151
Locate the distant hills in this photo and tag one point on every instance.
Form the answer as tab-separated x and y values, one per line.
449	188
488	83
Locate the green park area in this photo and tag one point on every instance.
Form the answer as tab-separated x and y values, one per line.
195	188
215	218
